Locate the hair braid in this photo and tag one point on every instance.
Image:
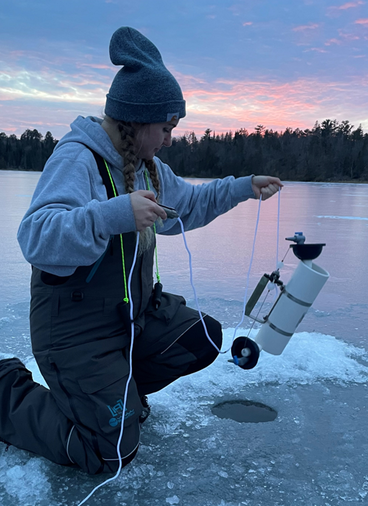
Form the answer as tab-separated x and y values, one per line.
152	169
128	153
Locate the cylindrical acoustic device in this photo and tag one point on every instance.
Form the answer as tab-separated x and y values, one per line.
289	309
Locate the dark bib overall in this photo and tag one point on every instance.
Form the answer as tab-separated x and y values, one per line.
81	341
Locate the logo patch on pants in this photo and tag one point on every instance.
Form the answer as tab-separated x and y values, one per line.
117	413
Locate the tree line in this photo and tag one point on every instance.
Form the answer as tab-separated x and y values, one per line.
330	151
30	152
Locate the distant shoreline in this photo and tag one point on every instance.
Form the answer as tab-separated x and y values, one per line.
337	181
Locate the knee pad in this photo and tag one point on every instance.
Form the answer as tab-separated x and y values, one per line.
208	353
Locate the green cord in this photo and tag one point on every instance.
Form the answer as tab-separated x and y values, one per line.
154	229
126	298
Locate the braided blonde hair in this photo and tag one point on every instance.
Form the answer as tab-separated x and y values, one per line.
128	152
152	169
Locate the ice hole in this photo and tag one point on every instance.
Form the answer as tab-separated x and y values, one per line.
244	411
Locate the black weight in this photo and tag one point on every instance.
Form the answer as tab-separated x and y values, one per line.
157	294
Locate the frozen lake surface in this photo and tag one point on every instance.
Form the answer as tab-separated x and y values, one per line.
314	452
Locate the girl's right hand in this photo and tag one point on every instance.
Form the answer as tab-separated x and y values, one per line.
145	208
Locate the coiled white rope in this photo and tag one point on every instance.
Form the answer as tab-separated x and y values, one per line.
128	380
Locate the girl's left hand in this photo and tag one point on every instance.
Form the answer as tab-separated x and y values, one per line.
265	186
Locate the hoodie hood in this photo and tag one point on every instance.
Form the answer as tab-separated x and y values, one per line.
89	131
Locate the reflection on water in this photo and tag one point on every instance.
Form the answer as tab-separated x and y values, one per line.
335	214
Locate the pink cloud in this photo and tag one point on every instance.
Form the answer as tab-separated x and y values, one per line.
302	28
332	41
337	10
232	105
98	66
53	101
316	49
186	80
348	36
247	23
348	5
54	86
362	22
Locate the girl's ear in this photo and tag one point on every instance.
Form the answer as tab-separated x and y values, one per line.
137	126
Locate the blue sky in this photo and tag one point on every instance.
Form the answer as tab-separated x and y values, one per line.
240	63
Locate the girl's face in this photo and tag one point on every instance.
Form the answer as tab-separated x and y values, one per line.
152	137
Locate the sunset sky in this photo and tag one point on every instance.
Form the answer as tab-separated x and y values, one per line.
279	63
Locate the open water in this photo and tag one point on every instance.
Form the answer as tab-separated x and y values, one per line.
314	452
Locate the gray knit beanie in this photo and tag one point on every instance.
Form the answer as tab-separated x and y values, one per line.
143	90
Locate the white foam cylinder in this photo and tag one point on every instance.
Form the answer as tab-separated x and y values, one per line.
291	307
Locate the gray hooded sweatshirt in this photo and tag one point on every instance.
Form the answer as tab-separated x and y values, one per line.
70	219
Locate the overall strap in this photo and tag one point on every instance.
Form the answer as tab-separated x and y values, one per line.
104	173
112	192
106	177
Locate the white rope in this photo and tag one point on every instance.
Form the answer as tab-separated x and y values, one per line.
278	228
128	381
246	285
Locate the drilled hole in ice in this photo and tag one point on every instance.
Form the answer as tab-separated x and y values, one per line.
244	411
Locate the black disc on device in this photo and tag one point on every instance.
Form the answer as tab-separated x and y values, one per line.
244	342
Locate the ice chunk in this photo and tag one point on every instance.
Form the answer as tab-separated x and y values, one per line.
27	482
173	500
